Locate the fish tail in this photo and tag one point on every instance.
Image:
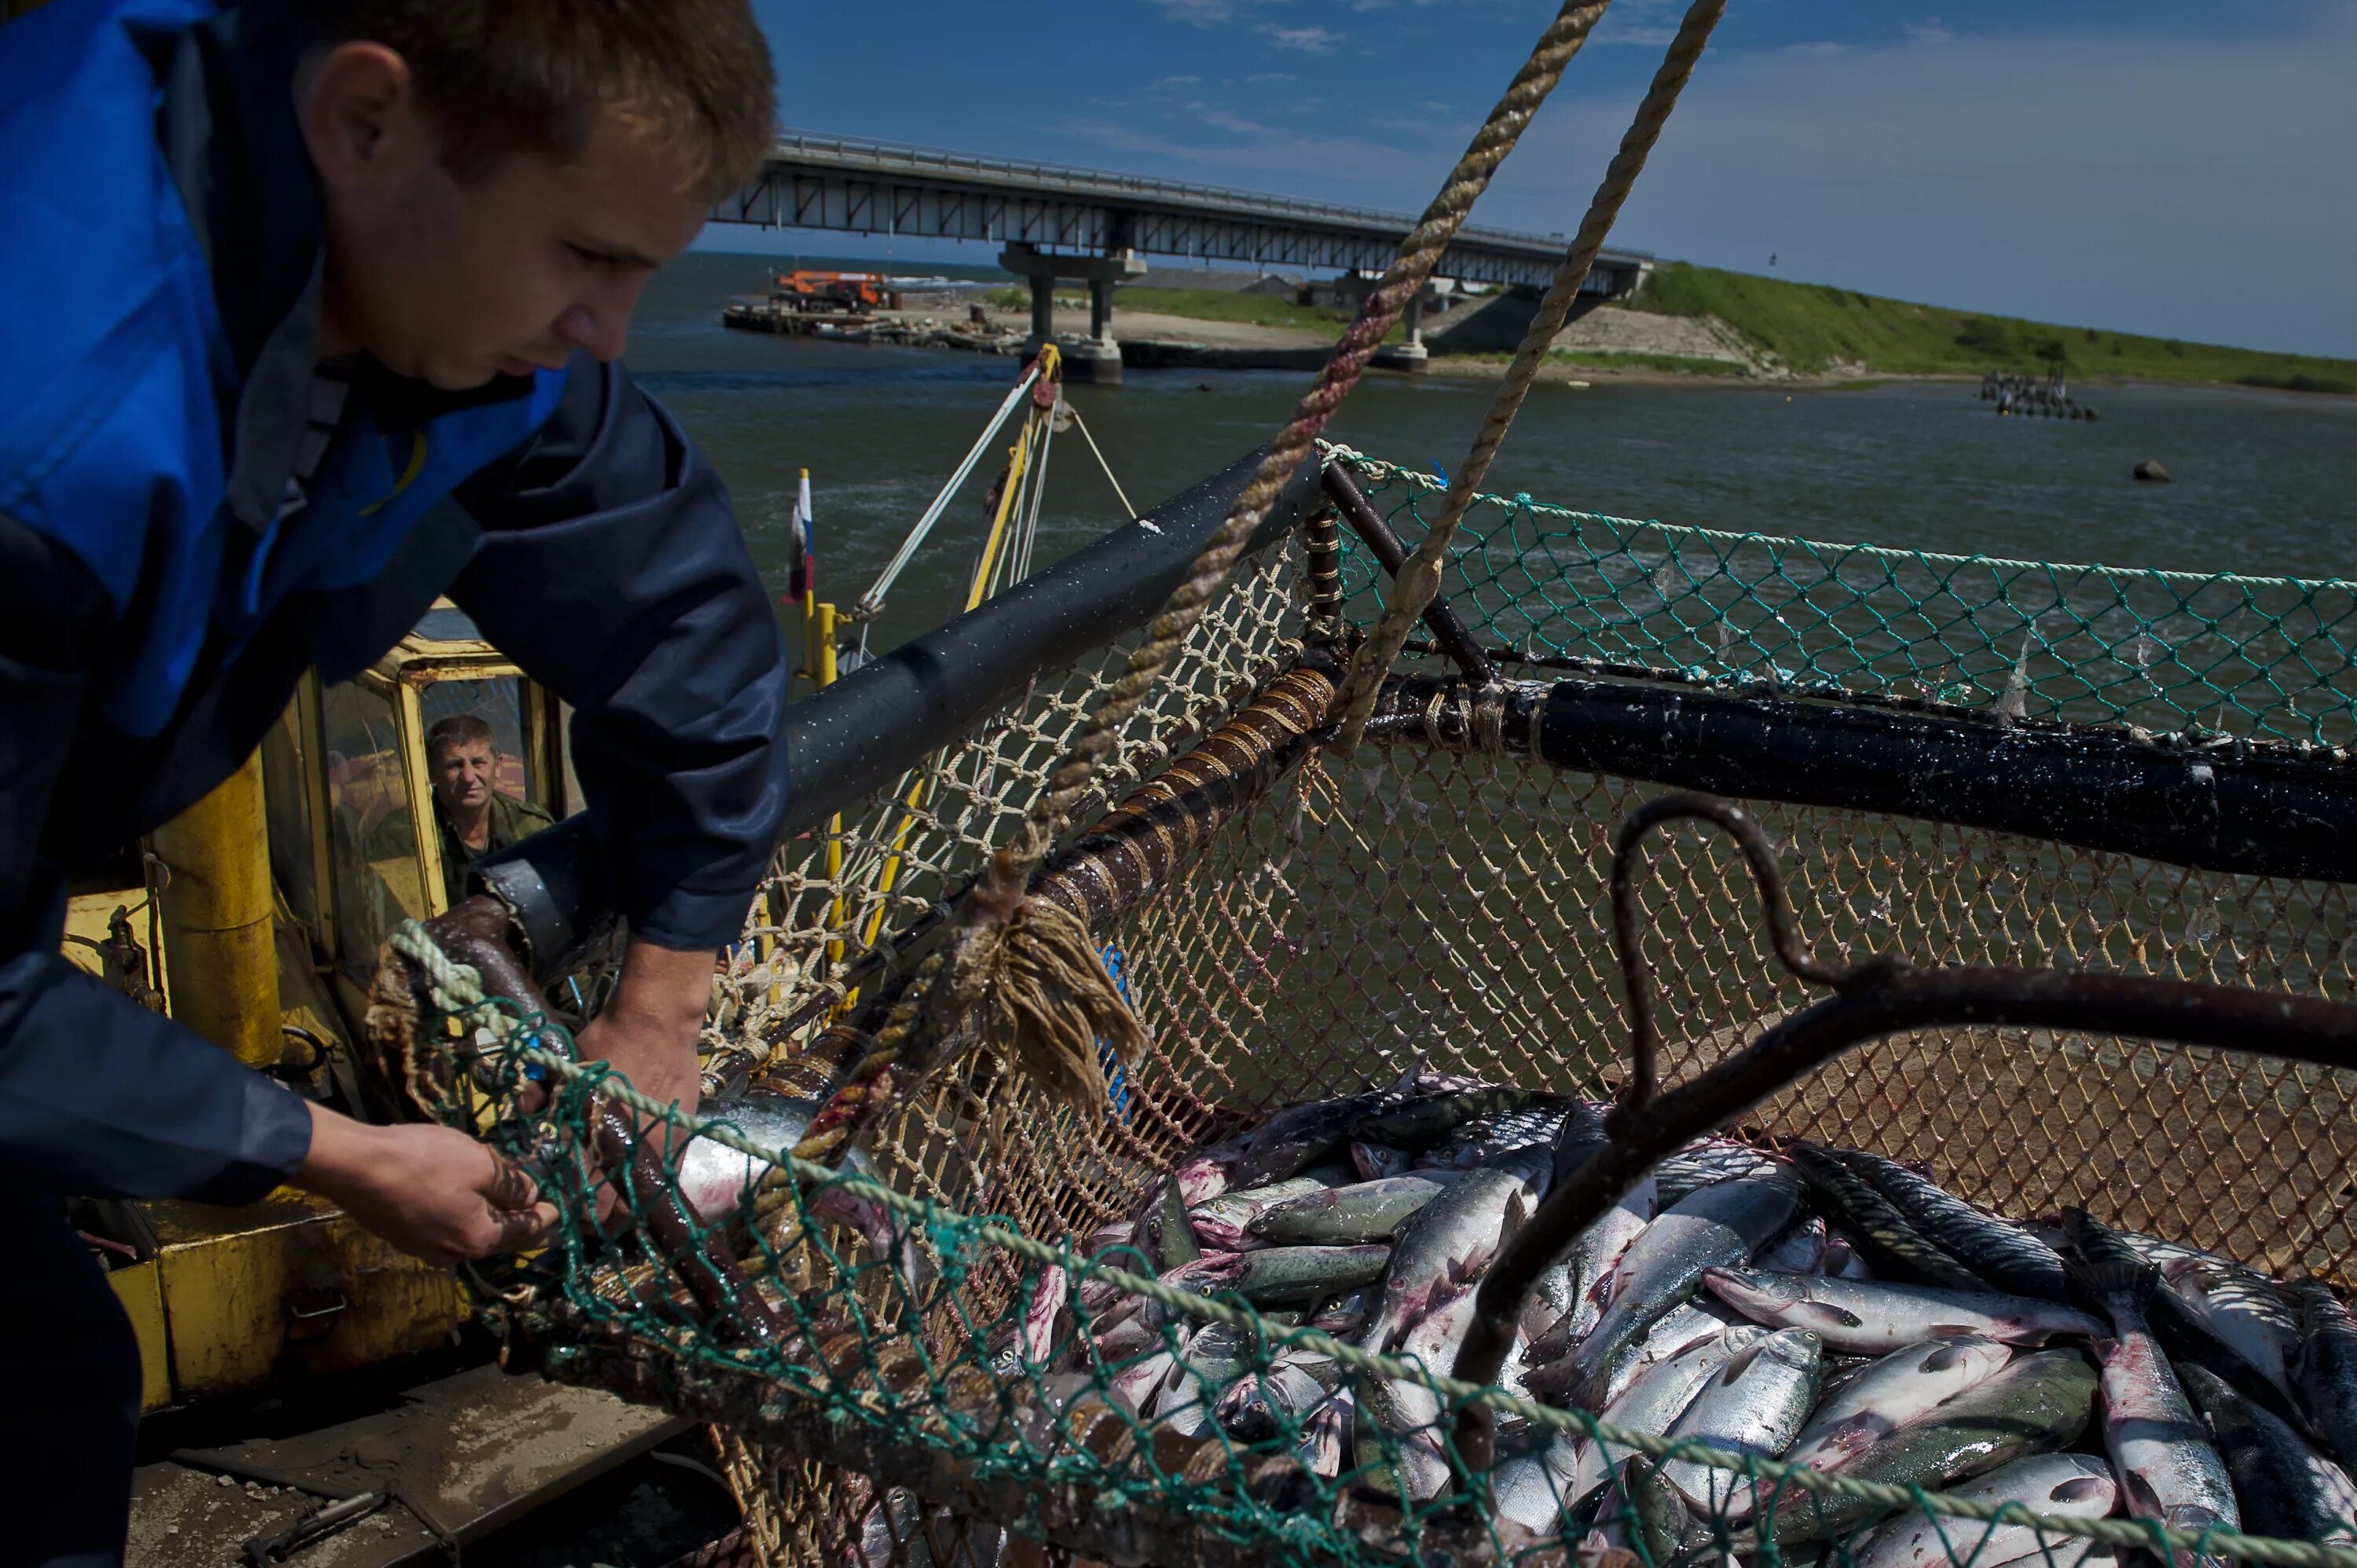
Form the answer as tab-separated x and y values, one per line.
2102	1265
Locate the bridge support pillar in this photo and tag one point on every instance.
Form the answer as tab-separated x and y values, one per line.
1095	357
1410	354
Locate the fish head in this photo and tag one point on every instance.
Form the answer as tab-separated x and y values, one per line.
1747	1290
1972	1356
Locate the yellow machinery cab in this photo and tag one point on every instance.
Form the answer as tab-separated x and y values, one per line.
255	918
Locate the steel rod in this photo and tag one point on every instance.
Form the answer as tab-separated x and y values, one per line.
1463	649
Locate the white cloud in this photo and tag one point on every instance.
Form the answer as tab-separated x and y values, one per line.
1259	77
1930	30
2195	188
1309	41
1180	81
1200	13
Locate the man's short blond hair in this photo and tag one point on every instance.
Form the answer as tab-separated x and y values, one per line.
459	729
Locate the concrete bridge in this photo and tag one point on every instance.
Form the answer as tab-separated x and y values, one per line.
1055	221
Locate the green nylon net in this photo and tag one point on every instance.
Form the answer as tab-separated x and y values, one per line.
909	1357
2170	652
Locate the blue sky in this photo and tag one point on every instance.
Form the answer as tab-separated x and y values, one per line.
2164	167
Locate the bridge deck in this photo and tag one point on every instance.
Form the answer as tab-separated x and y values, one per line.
862	187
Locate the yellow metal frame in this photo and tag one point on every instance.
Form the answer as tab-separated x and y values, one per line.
1018	459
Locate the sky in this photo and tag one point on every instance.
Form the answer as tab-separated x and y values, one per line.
2183	170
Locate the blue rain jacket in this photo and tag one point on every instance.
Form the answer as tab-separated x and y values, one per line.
159	601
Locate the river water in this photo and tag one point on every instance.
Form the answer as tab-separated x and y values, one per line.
2262	481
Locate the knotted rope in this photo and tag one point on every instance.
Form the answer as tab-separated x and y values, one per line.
1419	578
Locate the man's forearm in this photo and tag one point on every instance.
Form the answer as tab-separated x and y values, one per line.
648	1029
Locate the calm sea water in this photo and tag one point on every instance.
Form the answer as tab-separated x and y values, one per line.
2264	483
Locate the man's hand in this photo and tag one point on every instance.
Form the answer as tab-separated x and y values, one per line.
647	1030
431	1191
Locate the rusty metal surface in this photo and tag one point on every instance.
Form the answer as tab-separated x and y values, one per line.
462	1456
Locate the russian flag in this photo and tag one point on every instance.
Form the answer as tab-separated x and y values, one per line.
803	582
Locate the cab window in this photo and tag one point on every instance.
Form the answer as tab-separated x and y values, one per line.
498	702
286	806
373	841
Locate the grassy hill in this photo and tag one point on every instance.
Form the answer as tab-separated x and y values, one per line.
1809	325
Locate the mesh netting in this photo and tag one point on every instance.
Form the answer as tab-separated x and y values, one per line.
2172	652
912	1359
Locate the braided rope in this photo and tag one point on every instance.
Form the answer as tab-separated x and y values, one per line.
457	989
1418	253
1419	578
986	950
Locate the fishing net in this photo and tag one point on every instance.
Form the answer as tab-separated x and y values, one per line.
898	1352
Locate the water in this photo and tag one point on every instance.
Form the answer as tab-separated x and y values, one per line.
2262	480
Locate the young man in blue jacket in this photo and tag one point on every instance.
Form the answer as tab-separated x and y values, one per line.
282	277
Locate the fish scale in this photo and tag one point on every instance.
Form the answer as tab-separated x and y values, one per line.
1877	1227
2004	1255
2327	1367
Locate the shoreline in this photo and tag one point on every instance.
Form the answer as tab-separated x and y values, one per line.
1152	340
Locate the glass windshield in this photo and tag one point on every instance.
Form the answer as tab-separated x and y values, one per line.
373	840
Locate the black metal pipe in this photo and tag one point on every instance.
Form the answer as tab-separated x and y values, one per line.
861	733
2250	811
1439	617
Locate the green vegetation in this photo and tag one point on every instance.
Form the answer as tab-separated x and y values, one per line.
1217	304
1809	325
1612	360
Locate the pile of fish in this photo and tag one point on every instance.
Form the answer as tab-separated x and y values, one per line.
1821	1306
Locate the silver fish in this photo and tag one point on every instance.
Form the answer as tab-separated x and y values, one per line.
1375	1160
1756	1405
1481	1142
2242	1307
1408	1412
1681	1328
1876	1317
1446	1243
1134	1385
1259	1405
2159	1446
1524	1487
1653	1403
1597	1251
1326	1437
2074	1485
2327	1367
1722	1223
1894	1390
2001	1252
1041	1314
2283	1487
1800	1250
1214	1357
1219	1223
2074	1553
1278	1275
715	1181
1362	1211
2038	1404
1707	1162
